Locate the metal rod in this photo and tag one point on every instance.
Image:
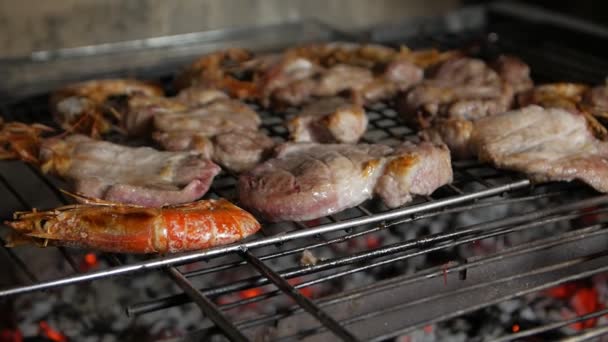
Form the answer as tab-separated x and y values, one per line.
434	272
58	194
68	257
223	250
206	306
304	302
566	279
345	238
15	193
362	256
588	334
546	269
17	260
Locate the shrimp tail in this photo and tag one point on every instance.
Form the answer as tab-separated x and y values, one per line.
83	199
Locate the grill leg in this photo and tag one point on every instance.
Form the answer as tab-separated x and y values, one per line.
304	302
206	306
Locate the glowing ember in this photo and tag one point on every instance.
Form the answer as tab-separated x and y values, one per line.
50	333
562	291
589	219
313	223
10	335
581	298
250	293
305	291
223	300
90	259
373	242
89	262
585	301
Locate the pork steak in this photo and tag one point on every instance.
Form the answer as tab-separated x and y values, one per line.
546	144
136	175
306	181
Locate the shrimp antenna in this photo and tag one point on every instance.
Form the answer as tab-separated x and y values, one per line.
94	201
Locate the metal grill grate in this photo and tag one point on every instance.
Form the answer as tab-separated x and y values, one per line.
390	303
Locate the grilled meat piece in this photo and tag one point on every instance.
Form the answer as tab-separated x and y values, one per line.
200	96
455	133
286	72
242	150
329	120
465	88
202	120
220	116
546	144
188	141
359	81
330	54
342	77
140	110
306	181
297	75
399	75
573	97
296	93
191	130
403	73
597	98
324	83
464	71
514	71
414	170
554	95
372	72
237	151
578	99
224	130
135	175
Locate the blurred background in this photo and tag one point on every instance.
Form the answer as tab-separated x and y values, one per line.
33	25
30	25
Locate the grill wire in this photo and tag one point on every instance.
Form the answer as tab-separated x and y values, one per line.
476	187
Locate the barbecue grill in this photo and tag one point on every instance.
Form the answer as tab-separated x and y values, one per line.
550	234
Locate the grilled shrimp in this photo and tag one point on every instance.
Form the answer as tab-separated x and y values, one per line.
217	70
121	228
80	107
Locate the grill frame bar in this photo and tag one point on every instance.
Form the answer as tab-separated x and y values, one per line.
206	305
333	263
302	301
235	248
